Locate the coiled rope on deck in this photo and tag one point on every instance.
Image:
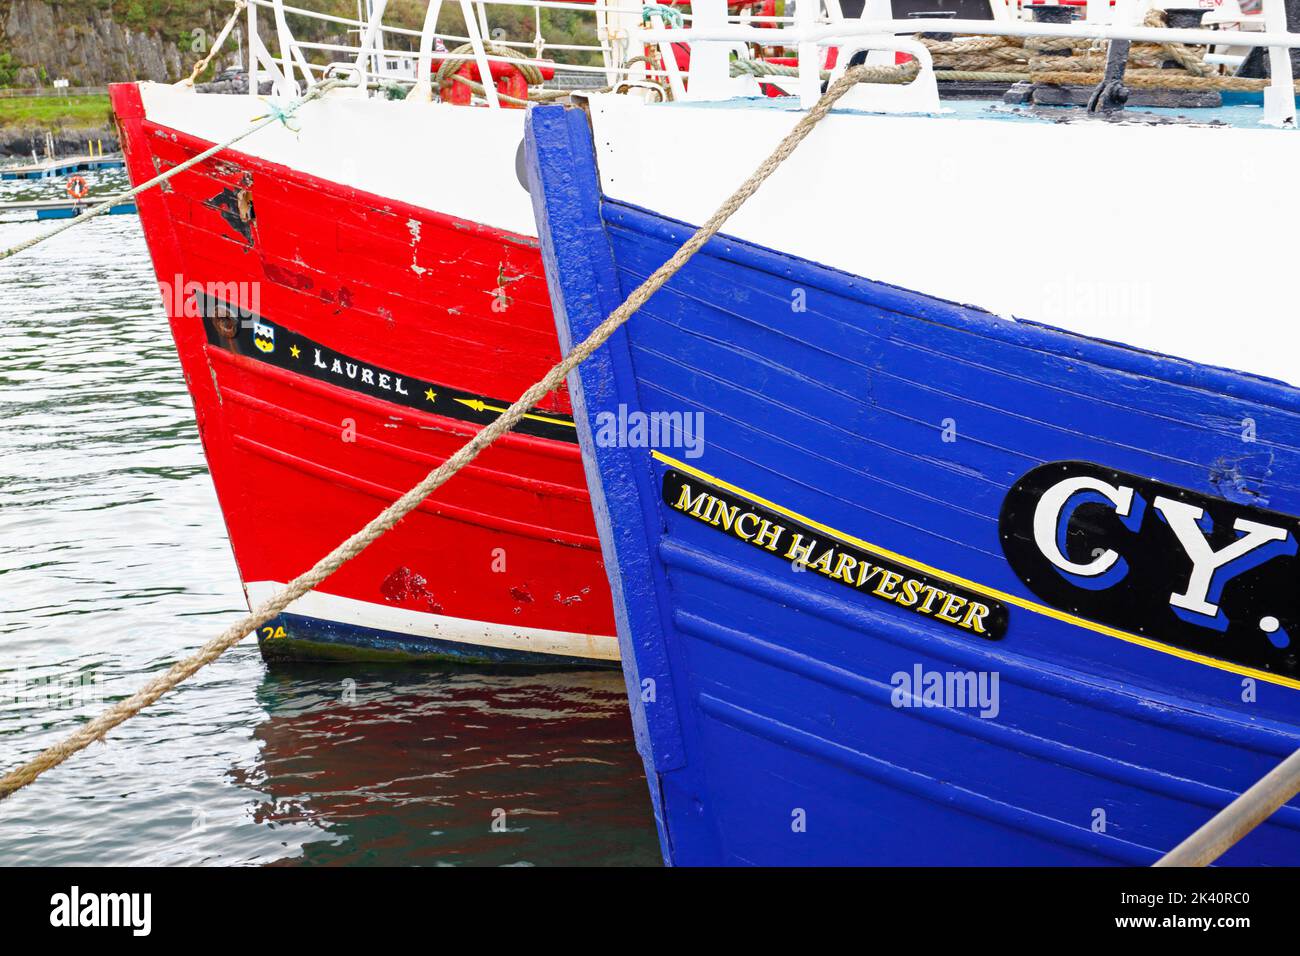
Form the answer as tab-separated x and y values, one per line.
123	710
1009	59
668	16
1034	54
888	73
463	55
1013	59
276	114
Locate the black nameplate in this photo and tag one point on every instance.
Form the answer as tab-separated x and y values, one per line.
816	552
255	337
1180	567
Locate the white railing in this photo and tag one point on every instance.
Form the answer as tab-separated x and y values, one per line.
298	62
812	40
715	35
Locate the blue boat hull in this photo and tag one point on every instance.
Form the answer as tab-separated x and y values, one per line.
783	706
72	212
55	169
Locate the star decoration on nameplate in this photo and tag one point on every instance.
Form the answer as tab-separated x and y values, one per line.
295	351
430	394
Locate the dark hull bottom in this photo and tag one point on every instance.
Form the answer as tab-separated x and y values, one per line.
308	639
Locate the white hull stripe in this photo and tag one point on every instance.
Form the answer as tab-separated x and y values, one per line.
397	620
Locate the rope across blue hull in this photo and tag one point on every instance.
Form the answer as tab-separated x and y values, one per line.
910	592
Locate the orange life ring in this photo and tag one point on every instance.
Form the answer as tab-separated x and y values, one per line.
77	188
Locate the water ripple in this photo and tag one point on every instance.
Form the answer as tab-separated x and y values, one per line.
114	564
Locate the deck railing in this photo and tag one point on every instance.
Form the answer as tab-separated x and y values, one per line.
883	37
616	25
387	54
298	62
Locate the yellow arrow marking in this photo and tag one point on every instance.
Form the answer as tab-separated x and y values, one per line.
481	406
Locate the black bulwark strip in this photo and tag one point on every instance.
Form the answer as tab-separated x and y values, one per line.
819	554
255	337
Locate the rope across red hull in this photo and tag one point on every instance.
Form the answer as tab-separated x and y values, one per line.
338	345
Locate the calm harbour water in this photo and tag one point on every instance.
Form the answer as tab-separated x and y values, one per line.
114	564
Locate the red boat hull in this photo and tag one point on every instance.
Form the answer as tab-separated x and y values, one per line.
339	344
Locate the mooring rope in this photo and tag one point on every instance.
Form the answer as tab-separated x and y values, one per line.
668	16
888	73
216	45
1014	59
535	94
1010	59
1222	831
1159	80
463	55
277	114
123	710
976	53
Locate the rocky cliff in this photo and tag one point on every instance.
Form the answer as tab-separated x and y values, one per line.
94	42
21	142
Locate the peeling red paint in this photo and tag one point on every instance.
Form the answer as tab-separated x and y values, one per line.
287	277
572	598
406	585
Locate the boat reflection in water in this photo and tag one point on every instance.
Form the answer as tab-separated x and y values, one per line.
452	767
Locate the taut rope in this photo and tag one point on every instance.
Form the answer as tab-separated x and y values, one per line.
276	115
1238	818
216	45
180	671
899	74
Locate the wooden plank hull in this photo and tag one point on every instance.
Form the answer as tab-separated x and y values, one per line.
921	588
338	344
